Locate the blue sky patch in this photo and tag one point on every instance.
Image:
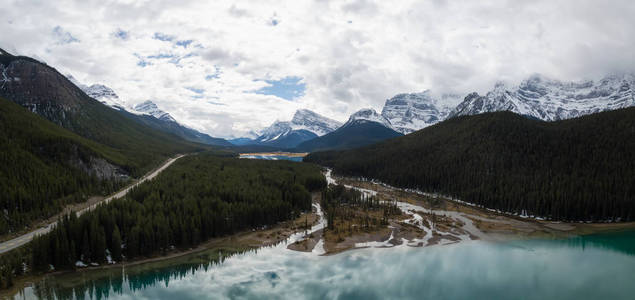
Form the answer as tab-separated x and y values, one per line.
288	88
161	55
184	43
162	37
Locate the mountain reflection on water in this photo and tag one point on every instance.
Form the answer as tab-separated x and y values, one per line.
600	266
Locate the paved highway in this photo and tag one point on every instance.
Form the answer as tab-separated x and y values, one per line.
27	237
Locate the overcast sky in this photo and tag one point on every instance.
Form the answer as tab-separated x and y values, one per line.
227	67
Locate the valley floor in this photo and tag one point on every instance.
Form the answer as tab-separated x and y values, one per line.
428	220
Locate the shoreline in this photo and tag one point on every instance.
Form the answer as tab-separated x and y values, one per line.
241	241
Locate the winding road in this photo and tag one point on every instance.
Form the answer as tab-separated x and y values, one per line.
27	237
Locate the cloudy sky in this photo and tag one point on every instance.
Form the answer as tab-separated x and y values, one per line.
227	67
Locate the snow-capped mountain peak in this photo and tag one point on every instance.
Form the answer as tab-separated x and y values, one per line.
106	95
150	108
275	131
409	112
548	99
313	122
368	115
101	93
303	120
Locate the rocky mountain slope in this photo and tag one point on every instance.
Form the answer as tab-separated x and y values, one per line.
550	100
414	111
368	115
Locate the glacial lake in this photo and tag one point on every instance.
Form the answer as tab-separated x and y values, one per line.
599	266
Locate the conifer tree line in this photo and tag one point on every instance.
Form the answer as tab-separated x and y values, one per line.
342	204
197	198
573	170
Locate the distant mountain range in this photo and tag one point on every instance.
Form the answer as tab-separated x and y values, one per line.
148	113
305	125
550	100
536	97
363	128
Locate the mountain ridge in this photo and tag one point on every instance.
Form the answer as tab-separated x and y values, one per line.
304	125
551	100
145	112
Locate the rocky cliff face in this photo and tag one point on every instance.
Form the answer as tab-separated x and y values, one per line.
414	111
40	88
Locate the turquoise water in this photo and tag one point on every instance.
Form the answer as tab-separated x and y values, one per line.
590	267
274	157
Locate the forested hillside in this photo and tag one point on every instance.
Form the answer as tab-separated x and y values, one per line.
45	167
44	91
198	197
577	169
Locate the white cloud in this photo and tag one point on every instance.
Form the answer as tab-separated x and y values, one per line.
350	54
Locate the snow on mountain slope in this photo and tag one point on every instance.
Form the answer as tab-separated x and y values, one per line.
551	100
101	93
150	108
414	111
313	122
368	115
303	120
275	131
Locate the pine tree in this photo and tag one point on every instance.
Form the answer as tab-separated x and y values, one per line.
85	257
115	248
